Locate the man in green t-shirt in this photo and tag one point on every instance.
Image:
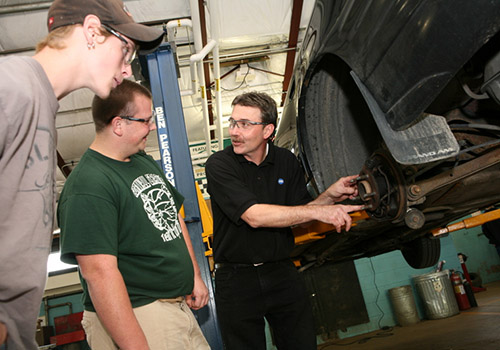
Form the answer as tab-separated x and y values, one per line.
120	221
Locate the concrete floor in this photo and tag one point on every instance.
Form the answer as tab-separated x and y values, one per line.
473	329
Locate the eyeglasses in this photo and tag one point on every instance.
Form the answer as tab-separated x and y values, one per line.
129	52
149	121
243	123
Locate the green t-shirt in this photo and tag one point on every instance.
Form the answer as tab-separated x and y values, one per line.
129	210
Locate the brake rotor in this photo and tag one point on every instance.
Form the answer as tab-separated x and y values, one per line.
381	188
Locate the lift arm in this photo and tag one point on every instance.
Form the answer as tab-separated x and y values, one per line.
317	230
474	221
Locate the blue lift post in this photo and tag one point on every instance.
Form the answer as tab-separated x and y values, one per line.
176	163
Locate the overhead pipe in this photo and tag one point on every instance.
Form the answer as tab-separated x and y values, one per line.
205	51
201	53
171	25
195	17
184	22
196	60
37	6
214	21
241	56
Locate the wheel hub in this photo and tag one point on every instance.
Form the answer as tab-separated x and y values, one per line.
381	188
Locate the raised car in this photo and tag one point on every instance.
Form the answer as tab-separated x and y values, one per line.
406	94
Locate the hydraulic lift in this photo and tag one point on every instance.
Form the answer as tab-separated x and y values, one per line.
176	163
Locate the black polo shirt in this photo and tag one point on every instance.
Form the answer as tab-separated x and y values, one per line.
234	185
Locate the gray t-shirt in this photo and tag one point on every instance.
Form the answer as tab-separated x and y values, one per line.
28	107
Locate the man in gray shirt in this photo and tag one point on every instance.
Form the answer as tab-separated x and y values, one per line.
90	44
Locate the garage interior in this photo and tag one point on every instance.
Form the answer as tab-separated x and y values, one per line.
255	43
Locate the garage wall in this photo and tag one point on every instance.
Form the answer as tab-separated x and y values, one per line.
482	257
380	273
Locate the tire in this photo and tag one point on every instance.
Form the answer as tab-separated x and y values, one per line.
422	252
335	126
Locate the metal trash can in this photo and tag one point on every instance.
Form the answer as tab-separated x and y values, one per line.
404	305
436	292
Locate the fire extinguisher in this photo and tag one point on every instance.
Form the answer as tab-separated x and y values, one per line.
459	290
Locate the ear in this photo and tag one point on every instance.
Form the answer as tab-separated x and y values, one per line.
91	27
117	126
268	131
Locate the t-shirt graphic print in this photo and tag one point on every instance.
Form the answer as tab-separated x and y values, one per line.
158	203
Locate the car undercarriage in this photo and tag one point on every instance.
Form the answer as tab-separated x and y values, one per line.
410	182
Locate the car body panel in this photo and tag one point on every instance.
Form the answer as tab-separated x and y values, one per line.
405	52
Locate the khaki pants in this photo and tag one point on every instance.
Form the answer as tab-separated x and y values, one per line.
168	324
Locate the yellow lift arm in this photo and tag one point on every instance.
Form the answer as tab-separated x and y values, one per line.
317	230
473	221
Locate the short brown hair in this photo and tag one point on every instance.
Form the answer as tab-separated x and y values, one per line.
264	102
119	102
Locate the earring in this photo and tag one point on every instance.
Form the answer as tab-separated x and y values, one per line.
91	46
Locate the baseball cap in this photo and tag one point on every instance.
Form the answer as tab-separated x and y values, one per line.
113	13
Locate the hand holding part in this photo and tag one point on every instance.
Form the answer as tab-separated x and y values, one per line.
345	187
359	178
338	215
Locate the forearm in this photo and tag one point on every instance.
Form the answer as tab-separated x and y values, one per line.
323	199
199	296
270	215
110	298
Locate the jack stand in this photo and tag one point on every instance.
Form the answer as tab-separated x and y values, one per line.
462	259
176	163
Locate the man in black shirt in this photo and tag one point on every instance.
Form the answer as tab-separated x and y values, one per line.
257	193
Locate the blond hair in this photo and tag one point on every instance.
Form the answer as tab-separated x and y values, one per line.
57	39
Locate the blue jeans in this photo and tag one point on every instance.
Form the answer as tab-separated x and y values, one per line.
245	295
